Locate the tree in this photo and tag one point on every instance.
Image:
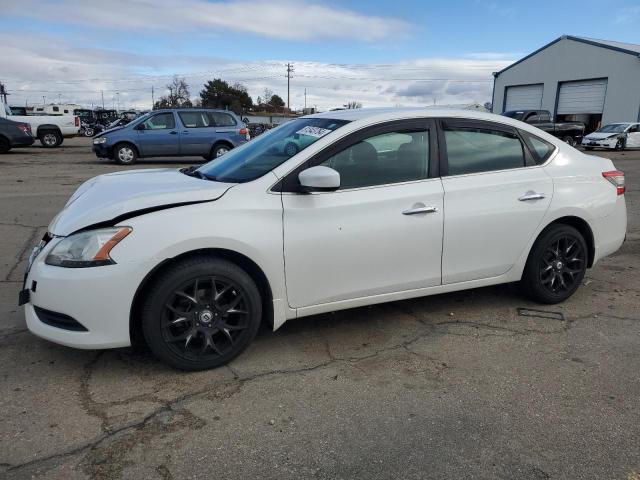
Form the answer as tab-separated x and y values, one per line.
219	94
276	101
178	95
353	104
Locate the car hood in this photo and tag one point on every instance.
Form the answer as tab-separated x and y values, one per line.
600	136
114	195
109	130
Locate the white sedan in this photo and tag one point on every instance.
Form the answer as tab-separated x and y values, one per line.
382	205
616	136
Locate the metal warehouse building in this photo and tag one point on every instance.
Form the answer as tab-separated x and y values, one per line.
576	79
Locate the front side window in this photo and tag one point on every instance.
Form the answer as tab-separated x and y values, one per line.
474	150
222	119
264	153
383	159
160	122
195	119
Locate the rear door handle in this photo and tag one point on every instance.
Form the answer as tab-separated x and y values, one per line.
418	210
531	196
185	132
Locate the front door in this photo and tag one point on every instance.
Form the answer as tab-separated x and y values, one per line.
381	232
495	199
159	137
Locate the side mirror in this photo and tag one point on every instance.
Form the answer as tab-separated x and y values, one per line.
140	126
319	179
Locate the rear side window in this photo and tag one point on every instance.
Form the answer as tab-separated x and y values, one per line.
196	119
475	150
540	149
221	119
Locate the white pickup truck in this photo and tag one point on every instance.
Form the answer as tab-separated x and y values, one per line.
49	129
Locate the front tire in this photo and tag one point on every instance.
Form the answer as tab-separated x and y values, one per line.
50	139
556	265
619	145
201	313
125	154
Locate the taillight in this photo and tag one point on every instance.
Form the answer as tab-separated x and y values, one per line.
77	121
616	178
25	128
245	132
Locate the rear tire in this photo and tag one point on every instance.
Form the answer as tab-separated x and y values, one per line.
201	313
556	265
218	150
125	154
50	138
569	140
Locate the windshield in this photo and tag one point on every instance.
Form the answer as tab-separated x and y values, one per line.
614	128
261	155
515	114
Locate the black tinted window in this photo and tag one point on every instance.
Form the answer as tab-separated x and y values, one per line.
223	119
383	159
473	150
541	149
160	121
195	119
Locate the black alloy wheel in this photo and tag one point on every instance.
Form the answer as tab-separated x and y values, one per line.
556	265
201	314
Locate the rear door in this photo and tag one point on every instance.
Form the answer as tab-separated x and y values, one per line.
159	136
197	133
495	198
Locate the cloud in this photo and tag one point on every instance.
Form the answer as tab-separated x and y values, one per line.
628	14
79	75
278	19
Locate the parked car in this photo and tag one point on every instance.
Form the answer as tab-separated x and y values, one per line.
568	132
174	133
383	205
49	129
14	134
616	136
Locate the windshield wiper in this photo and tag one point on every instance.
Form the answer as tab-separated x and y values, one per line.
193	171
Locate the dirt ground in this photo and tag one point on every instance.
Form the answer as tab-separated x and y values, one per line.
462	385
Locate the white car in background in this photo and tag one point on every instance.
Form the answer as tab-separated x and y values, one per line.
382	205
616	136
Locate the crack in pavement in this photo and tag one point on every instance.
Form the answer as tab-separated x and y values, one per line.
28	244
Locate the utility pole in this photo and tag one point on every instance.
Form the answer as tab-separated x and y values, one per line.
153	102
59	99
305	98
102	95
3	93
289	72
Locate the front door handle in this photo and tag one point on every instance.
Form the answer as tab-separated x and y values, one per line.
173	132
531	196
418	210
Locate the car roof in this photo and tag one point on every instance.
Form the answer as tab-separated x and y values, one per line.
382	114
192	109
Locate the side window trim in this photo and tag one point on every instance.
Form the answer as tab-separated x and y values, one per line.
290	183
196	112
472	123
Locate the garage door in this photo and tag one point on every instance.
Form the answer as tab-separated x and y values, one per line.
584	96
524	97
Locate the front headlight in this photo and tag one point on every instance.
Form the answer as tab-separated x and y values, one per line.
87	249
99	140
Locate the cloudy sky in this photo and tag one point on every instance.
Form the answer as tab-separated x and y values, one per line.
376	52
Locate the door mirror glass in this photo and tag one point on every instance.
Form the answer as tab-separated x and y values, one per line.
140	126
319	179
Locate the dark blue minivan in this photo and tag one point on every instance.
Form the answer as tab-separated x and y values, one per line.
177	132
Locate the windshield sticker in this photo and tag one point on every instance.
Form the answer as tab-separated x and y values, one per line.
316	132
